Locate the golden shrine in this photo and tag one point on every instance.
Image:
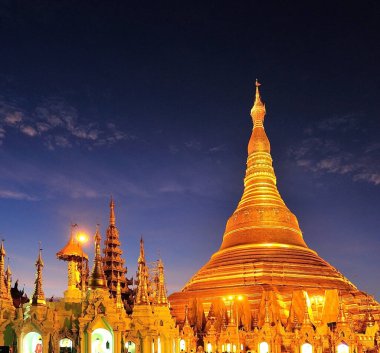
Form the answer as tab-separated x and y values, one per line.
263	291
99	313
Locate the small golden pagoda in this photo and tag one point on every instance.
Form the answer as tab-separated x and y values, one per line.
264	283
114	268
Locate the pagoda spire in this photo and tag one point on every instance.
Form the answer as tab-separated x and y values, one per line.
112	213
161	298
261	210
97	278
142	287
38	297
258	110
113	263
8	275
3	287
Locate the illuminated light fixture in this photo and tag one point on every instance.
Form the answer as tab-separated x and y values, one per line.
182	345
159	345
264	347
306	348
343	348
209	347
82	237
229	347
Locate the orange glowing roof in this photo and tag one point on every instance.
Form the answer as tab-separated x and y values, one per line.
71	249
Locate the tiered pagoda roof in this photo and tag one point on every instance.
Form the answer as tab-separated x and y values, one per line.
113	263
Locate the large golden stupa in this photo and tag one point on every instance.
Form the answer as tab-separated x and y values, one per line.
264	261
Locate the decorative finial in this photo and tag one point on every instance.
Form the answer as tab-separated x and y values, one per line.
142	287
258	110
38	295
161	298
112	212
97	278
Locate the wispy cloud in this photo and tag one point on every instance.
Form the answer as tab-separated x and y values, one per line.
216	149
58	124
194	145
338	145
16	195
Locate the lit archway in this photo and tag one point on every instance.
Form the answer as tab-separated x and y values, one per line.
159	344
101	341
130	347
264	347
343	348
32	343
182	345
65	345
306	348
209	347
228	347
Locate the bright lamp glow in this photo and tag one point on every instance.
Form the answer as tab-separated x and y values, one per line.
306	348
82	237
182	345
343	348
209	347
263	347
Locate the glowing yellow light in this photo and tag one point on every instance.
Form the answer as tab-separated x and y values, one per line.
240	297
82	237
230	297
263	347
306	348
182	345
209	347
343	348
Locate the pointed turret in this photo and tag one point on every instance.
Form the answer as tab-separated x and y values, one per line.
3	283
8	276
97	278
112	212
142	287
38	297
113	263
161	297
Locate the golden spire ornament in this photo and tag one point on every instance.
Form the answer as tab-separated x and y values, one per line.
161	298
38	297
112	213
97	278
8	276
142	287
3	288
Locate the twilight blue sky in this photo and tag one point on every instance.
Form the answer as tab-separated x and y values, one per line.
150	103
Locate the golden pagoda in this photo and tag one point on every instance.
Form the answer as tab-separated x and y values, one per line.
264	282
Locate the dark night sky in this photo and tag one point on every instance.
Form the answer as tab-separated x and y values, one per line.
150	103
